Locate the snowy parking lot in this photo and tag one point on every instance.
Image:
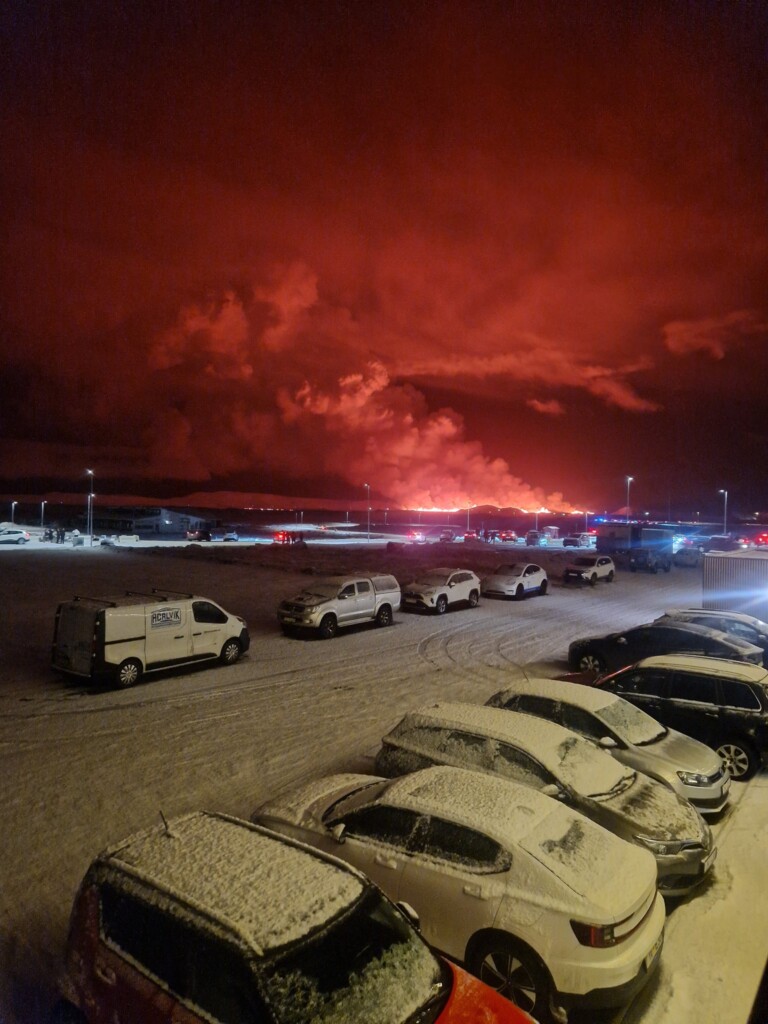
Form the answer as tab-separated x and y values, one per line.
83	767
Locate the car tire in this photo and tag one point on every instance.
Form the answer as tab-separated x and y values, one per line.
514	971
128	673
65	1013
288	630
741	761
384	616
593	580
610	577
591	662
230	652
441	605
474	598
329	627
520	592
543	587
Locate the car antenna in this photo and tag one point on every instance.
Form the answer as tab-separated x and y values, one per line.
168	832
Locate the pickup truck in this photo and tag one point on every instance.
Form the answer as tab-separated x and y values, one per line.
332	602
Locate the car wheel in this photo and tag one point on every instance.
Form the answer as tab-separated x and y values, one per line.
441	605
384	616
610	577
593	580
230	652
740	760
543	587
520	592
474	597
65	1013
128	673
591	663
329	627
514	971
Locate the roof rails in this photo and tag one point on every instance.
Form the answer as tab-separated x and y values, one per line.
94	600
174	593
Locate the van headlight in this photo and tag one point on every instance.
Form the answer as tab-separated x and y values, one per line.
660	847
692	779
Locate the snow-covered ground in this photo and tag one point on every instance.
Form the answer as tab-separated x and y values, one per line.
82	768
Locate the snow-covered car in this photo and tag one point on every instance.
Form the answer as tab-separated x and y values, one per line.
635	739
213	919
556	761
590	569
13	535
615	650
515	579
436	589
746	627
231	535
534	898
722	703
579	540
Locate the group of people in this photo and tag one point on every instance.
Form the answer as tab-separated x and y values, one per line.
55	534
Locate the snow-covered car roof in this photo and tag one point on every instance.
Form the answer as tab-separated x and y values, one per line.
567	755
584	696
510	569
270	890
711	666
748	620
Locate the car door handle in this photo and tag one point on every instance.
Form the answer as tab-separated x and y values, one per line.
179	637
106	974
384	861
473	889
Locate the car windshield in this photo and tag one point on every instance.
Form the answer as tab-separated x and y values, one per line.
433	579
368	966
584	561
323	591
515	569
631	724
589	771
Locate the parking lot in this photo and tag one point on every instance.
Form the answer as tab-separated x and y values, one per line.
85	767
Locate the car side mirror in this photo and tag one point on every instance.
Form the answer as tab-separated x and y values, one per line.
608	742
410	914
551	789
338	832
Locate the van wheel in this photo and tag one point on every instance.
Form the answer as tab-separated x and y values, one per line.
384	616
329	627
740	760
474	597
65	1013
230	652
514	971
128	673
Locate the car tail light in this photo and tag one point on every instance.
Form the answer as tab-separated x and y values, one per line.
597	935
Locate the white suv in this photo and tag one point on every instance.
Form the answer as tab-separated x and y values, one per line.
553	910
590	569
438	588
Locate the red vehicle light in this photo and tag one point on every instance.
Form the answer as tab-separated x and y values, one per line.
599	936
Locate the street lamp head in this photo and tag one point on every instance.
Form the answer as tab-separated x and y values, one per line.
630	479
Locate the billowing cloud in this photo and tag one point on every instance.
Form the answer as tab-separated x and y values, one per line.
714	336
549	408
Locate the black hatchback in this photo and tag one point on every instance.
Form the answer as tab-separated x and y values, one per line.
722	703
607	653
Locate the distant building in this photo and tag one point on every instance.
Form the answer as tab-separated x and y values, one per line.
147	522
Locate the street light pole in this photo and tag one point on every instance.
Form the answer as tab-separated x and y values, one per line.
368	495
89	526
725	510
42	513
13	511
629	540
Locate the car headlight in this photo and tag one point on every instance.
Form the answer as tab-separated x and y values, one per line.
659	847
692	778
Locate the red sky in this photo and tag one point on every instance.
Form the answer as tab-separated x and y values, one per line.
479	252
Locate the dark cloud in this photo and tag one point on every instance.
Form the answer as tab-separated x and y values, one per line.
248	242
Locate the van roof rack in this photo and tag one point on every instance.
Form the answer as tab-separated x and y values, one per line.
94	600
143	593
175	593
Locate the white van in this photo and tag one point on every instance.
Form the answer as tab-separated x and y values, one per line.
121	638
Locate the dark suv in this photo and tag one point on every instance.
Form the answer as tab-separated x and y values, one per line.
722	703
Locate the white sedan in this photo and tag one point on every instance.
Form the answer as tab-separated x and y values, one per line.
515	579
548	908
438	588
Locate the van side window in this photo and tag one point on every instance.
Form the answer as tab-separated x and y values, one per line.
205	611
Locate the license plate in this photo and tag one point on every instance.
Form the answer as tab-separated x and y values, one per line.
289	618
654	950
